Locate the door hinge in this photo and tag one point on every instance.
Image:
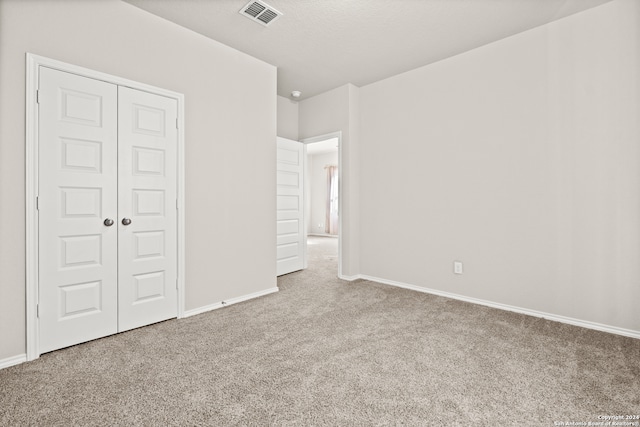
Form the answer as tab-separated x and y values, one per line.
37	96
38	311
37	203
176	283
177	204
177	123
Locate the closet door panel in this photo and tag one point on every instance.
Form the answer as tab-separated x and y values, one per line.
147	192
77	193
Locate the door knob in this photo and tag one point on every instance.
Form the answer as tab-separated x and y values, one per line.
108	222
126	221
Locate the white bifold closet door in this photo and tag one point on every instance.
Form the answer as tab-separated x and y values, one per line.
147	249
107	215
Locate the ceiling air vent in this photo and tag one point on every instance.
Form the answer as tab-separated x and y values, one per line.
260	12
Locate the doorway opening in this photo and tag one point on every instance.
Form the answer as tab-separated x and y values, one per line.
323	200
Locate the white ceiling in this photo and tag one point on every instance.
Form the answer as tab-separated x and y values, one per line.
323	147
319	45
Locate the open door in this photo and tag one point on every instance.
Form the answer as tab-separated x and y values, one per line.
291	237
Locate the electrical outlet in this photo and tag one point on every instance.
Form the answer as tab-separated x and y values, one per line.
457	267
319	225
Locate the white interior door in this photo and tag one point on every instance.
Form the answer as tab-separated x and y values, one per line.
290	206
77	180
107	209
147	204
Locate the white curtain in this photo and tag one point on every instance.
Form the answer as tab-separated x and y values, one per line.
331	222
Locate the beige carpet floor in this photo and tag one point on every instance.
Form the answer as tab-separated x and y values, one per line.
328	352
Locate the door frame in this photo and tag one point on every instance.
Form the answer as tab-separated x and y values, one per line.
33	64
320	138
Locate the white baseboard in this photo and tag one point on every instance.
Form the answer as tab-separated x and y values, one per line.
225	303
349	278
14	360
554	317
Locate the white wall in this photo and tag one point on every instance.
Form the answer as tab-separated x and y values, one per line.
520	158
230	167
287	118
318	190
333	111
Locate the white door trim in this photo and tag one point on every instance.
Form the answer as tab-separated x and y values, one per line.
340	192
33	64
